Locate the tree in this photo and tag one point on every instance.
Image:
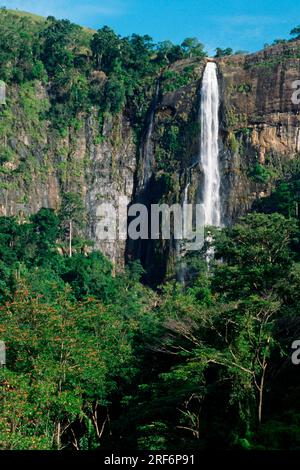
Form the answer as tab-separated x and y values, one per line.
221	336
46	231
18	48
295	32
63	358
169	52
90	276
138	56
72	215
193	48
9	235
223	52
106	47
114	95
59	39
164	48
255	254
240	340
279	41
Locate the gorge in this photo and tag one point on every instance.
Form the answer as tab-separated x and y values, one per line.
104	348
258	129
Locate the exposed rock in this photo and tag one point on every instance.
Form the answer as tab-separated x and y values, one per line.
47	165
257	108
259	124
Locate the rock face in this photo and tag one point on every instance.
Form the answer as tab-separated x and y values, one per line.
260	123
44	165
110	175
259	134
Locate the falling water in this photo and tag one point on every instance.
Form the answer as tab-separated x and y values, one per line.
209	148
147	150
209	163
180	245
185	218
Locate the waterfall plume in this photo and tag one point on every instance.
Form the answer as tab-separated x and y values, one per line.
209	147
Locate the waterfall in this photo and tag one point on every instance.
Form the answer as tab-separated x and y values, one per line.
180	245
209	164
209	148
147	150
185	211
181	268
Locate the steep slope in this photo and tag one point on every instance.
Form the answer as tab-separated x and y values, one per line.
260	122
104	156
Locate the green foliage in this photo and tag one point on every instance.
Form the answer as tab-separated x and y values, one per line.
232	142
224	341
45	230
235	120
172	141
70	353
193	48
184	367
260	173
114	95
295	32
106	48
172	80
223	52
152	436
19	53
168	52
255	252
58	45
244	88
95	358
33	107
286	197
167	147
68	58
69	326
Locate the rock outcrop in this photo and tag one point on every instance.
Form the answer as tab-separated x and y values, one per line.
259	129
44	165
260	123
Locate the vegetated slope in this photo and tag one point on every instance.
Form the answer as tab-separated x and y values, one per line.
95	359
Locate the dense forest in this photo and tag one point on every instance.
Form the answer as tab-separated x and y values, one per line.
98	359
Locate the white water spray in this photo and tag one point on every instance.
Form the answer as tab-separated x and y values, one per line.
209	147
180	245
147	151
185	214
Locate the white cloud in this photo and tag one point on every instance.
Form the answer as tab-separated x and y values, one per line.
68	8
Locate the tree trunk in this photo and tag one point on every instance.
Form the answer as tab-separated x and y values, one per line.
57	437
70	238
261	391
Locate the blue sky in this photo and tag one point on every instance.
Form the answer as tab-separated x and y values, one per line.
233	23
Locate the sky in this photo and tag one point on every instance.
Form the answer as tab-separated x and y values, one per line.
241	25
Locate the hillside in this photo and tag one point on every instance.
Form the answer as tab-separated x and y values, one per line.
81	129
142	344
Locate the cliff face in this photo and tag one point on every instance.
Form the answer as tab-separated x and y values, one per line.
42	164
110	174
260	123
259	133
